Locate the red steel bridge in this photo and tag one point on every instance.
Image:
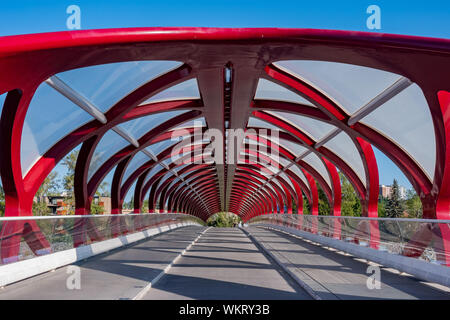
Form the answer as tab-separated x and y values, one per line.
204	120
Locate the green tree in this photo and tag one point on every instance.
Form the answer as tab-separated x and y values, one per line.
48	187
413	205
306	206
223	220
395	205
324	206
96	208
382	206
350	203
70	162
145	206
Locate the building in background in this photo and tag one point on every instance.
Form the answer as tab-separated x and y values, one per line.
57	204
385	191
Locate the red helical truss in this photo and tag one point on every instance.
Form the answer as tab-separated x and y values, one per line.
227	65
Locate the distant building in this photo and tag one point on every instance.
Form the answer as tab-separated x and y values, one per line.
385	191
57	205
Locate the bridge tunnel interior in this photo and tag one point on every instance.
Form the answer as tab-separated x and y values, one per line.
205	121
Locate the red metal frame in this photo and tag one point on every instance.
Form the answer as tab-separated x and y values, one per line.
26	61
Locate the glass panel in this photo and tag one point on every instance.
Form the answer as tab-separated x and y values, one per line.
316	129
104	85
110	143
177	169
344	147
350	86
269	90
196	123
2	101
138	127
296	170
313	160
286	178
168	175
293	147
185	90
167	161
414	133
257	123
138	160
50	117
158	147
157	168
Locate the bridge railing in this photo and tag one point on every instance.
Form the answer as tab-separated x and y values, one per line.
420	238
27	237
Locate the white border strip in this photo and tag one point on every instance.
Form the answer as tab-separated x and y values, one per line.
21	270
152	283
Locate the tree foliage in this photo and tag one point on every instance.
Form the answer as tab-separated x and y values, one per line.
223	220
49	187
70	162
350	203
395	206
413	205
324	205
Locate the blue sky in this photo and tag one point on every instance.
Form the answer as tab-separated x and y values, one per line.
422	18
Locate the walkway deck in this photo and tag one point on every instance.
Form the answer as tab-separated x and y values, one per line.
222	264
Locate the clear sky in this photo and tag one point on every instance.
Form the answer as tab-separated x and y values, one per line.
424	18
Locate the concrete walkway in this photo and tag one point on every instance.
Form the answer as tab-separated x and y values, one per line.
225	264
119	274
222	264
339	276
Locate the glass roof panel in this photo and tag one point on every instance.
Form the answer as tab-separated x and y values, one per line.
50	117
2	101
313	160
414	133
140	126
110	143
180	167
351	86
293	147
195	123
185	90
156	168
167	161
344	147
286	178
316	129
138	160
165	177
104	85
159	147
269	90
257	123
296	170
